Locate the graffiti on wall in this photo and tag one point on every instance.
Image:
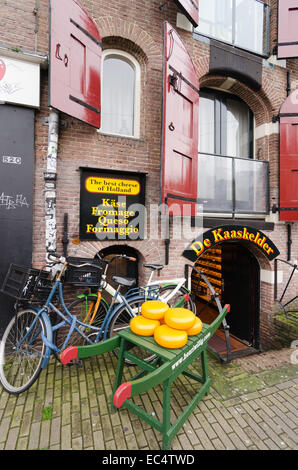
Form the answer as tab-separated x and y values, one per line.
12	202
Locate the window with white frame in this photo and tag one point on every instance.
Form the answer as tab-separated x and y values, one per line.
120	94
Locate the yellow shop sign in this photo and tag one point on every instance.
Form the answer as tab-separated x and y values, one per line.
231	233
96	184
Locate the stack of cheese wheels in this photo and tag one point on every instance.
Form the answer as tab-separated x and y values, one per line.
179	324
152	312
171	327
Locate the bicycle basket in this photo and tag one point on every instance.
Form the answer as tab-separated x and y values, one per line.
85	276
42	289
22	283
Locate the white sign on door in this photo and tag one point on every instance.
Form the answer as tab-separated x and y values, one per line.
19	82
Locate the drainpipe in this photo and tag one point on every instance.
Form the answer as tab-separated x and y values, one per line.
65	239
35	13
289	228
167	234
50	183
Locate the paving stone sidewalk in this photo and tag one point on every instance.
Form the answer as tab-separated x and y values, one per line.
252	405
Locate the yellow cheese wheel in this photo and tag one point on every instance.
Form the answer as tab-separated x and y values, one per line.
180	318
170	338
154	309
196	328
143	326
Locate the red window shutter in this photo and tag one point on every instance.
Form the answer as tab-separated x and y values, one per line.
75	62
179	126
287	29
190	8
289	158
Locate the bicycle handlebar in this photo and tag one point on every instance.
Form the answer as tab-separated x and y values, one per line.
56	258
130	258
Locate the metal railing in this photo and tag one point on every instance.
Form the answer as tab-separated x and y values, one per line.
233	185
289	313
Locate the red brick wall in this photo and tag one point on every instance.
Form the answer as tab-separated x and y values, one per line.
136	26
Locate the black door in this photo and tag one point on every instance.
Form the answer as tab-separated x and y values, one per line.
16	194
241	290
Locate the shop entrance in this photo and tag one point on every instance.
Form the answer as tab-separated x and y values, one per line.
235	275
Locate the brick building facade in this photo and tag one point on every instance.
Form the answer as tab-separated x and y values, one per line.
135	27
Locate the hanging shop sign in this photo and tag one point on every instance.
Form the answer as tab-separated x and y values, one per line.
19	82
112	205
231	233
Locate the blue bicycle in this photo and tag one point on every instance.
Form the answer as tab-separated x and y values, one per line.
29	339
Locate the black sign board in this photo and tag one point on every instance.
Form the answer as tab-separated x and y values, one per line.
112	205
231	233
16	195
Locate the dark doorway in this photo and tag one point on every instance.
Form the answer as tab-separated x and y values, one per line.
241	282
121	267
234	274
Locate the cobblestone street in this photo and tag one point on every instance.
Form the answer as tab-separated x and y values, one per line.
252	405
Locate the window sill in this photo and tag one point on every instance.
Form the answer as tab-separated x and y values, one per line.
207	40
230	215
119	136
218	220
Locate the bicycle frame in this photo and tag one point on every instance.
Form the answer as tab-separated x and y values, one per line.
40	316
117	298
151	290
41	312
67	317
179	282
73	322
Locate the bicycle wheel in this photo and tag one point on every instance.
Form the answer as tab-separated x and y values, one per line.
22	351
182	297
121	321
80	308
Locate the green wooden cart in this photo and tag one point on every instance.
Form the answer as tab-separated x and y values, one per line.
167	366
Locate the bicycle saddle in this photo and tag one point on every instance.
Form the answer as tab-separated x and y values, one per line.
154	267
123	281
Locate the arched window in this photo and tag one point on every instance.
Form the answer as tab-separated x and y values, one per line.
120	94
225	125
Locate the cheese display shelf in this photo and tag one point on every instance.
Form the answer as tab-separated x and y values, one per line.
206	291
210	264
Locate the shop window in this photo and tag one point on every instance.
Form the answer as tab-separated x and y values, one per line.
120	94
229	179
243	23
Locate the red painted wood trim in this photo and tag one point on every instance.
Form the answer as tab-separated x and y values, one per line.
122	393
69	354
228	307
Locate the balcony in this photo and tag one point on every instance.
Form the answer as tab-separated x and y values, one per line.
231	185
241	23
